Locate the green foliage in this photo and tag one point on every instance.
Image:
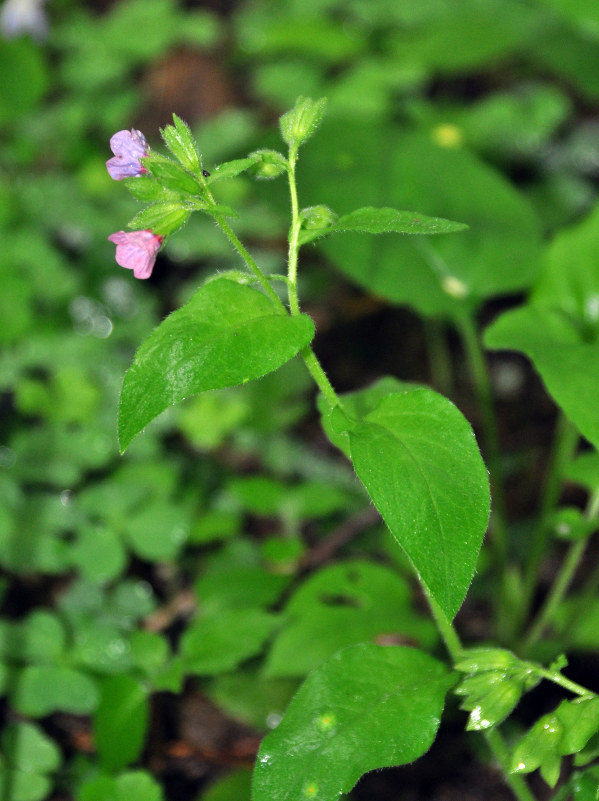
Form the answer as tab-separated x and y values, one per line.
226	319
417	457
367	707
232	552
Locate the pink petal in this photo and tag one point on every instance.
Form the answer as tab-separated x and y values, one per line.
136	250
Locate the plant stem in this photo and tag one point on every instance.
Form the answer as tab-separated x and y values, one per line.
566	439
557	678
446	628
238	246
293	233
480	376
308	355
562	582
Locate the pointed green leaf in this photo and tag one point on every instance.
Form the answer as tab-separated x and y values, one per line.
148	190
225	335
367	707
370	220
418	458
338	422
409	170
120	722
180	142
229	169
171	175
160	218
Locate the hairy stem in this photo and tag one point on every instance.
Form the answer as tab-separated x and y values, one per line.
239	247
310	359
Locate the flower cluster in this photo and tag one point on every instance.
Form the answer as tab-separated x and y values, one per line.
135	250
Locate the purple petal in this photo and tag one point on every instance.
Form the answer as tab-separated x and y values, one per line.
128	148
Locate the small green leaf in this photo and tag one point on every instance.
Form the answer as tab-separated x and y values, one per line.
120	722
367	707
148	190
26	747
160	218
225	335
229	169
171	175
298	125
179	140
219	643
372	220
133	785
418	458
41	690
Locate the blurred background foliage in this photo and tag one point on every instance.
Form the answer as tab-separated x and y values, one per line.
159	609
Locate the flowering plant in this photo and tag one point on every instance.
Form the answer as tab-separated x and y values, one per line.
369	705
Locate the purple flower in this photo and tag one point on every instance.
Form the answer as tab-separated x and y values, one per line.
128	147
136	250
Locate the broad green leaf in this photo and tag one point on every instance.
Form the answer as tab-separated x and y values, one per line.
357	405
181	143
418	458
220	642
41	690
341	605
367	707
408	170
568	366
372	220
225	335
120	722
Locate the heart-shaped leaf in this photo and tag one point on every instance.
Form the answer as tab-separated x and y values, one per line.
366	707
225	335
418	458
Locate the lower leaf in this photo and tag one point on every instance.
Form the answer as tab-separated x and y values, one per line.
367	707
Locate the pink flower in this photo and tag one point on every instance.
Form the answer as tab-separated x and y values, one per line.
136	250
128	147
